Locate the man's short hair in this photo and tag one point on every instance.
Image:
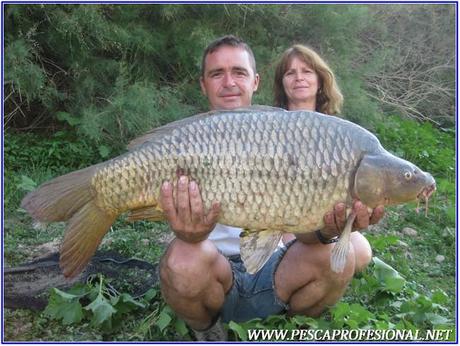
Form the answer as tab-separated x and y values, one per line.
228	40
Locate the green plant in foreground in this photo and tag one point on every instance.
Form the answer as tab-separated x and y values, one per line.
108	310
106	307
389	302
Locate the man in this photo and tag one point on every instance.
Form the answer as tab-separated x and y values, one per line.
202	278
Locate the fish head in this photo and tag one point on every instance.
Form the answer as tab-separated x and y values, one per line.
384	179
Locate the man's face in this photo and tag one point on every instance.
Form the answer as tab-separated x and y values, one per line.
228	80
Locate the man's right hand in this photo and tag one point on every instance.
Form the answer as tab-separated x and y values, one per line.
186	214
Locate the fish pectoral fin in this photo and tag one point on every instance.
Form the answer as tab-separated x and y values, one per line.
340	251
147	213
256	247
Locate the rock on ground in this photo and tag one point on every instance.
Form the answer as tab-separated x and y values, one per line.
409	232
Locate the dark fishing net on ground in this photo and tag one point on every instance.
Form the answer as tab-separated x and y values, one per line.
27	286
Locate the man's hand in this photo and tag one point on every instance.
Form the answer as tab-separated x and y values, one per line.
185	214
335	221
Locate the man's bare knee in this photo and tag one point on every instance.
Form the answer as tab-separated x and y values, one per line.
187	268
363	251
181	257
305	279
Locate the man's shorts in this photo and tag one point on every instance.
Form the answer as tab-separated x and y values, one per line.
253	295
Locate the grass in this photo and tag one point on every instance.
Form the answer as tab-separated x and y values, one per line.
408	287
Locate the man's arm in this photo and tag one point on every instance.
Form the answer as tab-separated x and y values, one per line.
186	214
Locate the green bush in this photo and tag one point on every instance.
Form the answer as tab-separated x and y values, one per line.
62	151
30	159
113	71
421	143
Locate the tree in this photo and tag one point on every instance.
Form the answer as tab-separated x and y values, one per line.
415	59
111	71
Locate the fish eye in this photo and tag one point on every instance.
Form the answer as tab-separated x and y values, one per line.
407	175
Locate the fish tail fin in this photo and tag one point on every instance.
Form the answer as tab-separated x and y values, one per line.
85	231
70	197
340	251
60	198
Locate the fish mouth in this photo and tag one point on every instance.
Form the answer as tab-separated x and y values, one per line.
424	195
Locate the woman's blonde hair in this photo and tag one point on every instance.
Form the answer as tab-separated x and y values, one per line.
329	99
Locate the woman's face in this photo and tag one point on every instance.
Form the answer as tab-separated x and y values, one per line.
300	82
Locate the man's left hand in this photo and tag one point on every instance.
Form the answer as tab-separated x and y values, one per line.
335	221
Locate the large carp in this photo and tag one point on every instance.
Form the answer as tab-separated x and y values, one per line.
272	171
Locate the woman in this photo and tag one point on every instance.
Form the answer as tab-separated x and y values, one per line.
304	81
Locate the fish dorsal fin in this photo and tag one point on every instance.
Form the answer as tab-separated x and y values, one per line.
147	213
158	132
256	247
